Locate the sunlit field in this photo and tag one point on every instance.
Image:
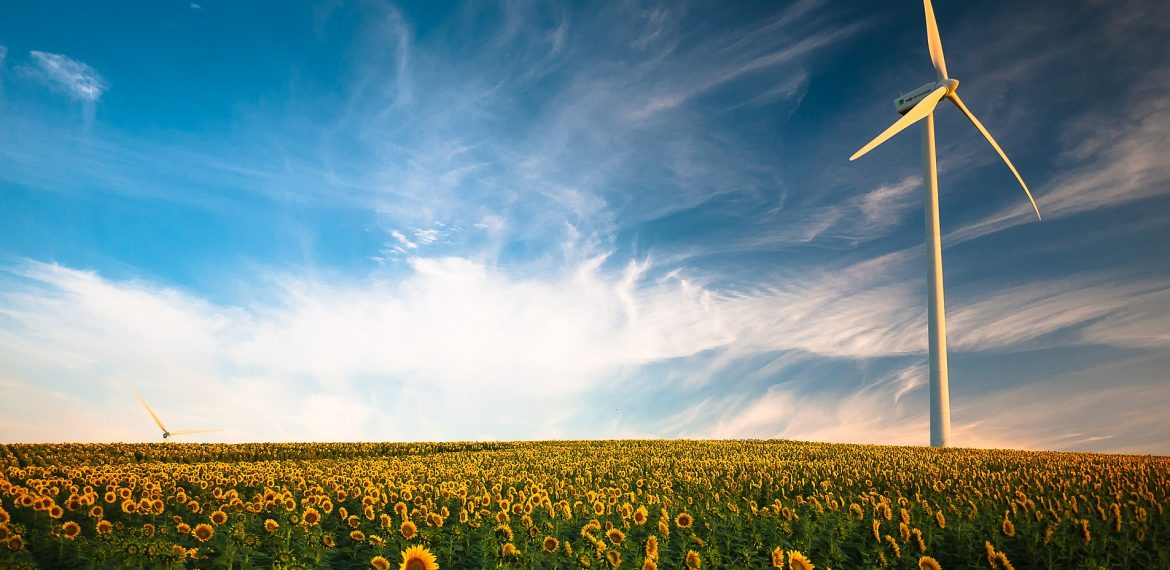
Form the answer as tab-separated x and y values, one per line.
593	504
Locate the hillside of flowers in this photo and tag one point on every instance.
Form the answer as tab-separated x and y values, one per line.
578	504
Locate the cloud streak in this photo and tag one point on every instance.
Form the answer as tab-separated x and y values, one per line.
68	76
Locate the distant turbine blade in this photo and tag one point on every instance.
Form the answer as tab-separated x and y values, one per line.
156	420
954	97
919	112
935	43
191	431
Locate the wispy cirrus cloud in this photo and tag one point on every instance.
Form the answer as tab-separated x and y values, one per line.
69	76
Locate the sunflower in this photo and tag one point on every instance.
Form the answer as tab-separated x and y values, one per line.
777	557
408	530
71	530
218	518
640	516
97	512
649	564
613	557
380	563
509	549
204	532
615	536
928	563
550	544
357	535
148	529
1009	529
4	516
693	560
652	547
271	525
15	542
683	520
328	541
311	516
56	511
104	527
798	561
663	528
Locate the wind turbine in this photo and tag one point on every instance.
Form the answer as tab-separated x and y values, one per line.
167	433
915	106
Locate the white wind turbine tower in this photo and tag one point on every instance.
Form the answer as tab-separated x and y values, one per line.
914	106
167	433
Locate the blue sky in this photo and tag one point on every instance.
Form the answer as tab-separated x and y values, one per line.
522	220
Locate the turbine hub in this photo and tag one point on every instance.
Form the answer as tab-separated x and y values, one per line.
951	84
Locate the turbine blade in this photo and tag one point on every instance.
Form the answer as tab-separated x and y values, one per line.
157	421
191	431
919	112
959	103
935	43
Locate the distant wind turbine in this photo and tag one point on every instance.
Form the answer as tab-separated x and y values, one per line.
167	433
914	106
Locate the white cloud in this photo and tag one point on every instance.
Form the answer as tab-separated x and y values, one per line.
457	349
403	240
69	76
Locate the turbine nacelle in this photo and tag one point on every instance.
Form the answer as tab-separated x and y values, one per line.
907	102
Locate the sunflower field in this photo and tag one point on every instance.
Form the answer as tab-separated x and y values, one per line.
578	504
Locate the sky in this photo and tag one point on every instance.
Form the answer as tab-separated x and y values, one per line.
366	220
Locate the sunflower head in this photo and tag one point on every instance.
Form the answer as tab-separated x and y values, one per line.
71	530
380	563
408	530
693	560
614	558
218	518
683	520
311	516
203	532
928	563
798	561
615	536
271	525
777	557
640	516
550	544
